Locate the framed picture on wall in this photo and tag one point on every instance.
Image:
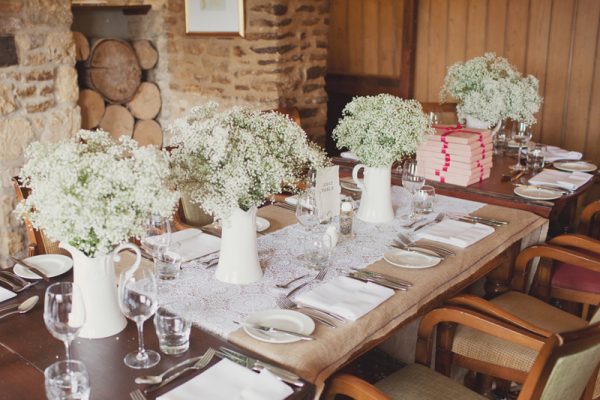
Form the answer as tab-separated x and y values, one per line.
214	17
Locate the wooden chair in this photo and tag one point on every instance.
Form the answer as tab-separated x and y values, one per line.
489	356
589	222
568	282
39	243
563	369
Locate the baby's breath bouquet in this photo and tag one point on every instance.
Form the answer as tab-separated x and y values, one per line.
490	89
381	129
237	158
93	193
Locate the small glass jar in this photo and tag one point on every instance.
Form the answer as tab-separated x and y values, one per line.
346	217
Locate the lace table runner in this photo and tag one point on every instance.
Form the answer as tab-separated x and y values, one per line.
213	305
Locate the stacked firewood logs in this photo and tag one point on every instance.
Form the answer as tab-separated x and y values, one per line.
113	95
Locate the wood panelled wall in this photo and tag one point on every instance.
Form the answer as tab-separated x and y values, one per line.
365	37
555	40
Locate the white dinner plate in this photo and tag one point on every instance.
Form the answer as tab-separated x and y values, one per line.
284	319
410	259
535	193
575	166
50	264
262	224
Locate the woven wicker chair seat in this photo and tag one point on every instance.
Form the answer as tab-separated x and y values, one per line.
418	382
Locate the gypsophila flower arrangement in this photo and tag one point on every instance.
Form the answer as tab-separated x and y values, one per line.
94	193
381	129
490	89
237	158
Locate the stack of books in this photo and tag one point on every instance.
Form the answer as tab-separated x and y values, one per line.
456	155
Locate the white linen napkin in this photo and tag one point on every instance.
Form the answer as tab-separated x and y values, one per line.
455	233
346	297
565	180
6	294
554	153
193	243
349	155
227	380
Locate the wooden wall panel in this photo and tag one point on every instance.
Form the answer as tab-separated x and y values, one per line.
555	40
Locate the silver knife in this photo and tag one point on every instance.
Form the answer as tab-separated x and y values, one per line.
256	365
366	278
263	328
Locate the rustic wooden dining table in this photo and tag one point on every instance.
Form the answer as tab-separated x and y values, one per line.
26	347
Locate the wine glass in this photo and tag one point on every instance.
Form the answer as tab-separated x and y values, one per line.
521	136
157	237
412	180
64	312
138	299
434	118
306	209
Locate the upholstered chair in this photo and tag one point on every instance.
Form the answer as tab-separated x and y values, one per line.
492	356
563	367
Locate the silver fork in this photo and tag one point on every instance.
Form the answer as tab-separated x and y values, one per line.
287	284
407	242
137	395
438	218
16	288
318	277
287	304
201	363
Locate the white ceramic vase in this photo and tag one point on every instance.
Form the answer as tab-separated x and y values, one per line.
96	279
478	124
238	260
376	200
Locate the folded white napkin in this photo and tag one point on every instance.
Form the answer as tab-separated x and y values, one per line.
349	155
554	153
227	380
194	243
455	233
565	180
346	297
6	294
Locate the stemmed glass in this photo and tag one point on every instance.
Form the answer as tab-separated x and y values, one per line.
157	237
412	180
138	299
64	312
521	136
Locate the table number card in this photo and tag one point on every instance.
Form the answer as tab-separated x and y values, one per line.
327	189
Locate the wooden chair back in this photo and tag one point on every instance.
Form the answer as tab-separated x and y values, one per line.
566	366
39	243
589	222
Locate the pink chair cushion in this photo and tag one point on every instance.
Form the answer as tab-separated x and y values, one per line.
569	276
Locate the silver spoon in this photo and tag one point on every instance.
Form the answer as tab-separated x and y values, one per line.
22	308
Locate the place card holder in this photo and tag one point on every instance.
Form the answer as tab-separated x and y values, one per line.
327	192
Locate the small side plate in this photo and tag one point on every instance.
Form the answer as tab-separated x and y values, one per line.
575	166
285	319
536	193
410	259
50	264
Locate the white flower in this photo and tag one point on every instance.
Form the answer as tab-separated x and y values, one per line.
237	158
490	89
94	193
381	129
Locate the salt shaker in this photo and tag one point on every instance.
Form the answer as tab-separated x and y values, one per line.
346	217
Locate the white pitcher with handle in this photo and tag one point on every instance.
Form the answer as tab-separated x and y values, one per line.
96	279
376	200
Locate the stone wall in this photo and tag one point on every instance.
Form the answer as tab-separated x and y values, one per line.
38	95
280	62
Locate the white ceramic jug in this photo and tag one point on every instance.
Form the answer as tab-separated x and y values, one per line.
376	200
